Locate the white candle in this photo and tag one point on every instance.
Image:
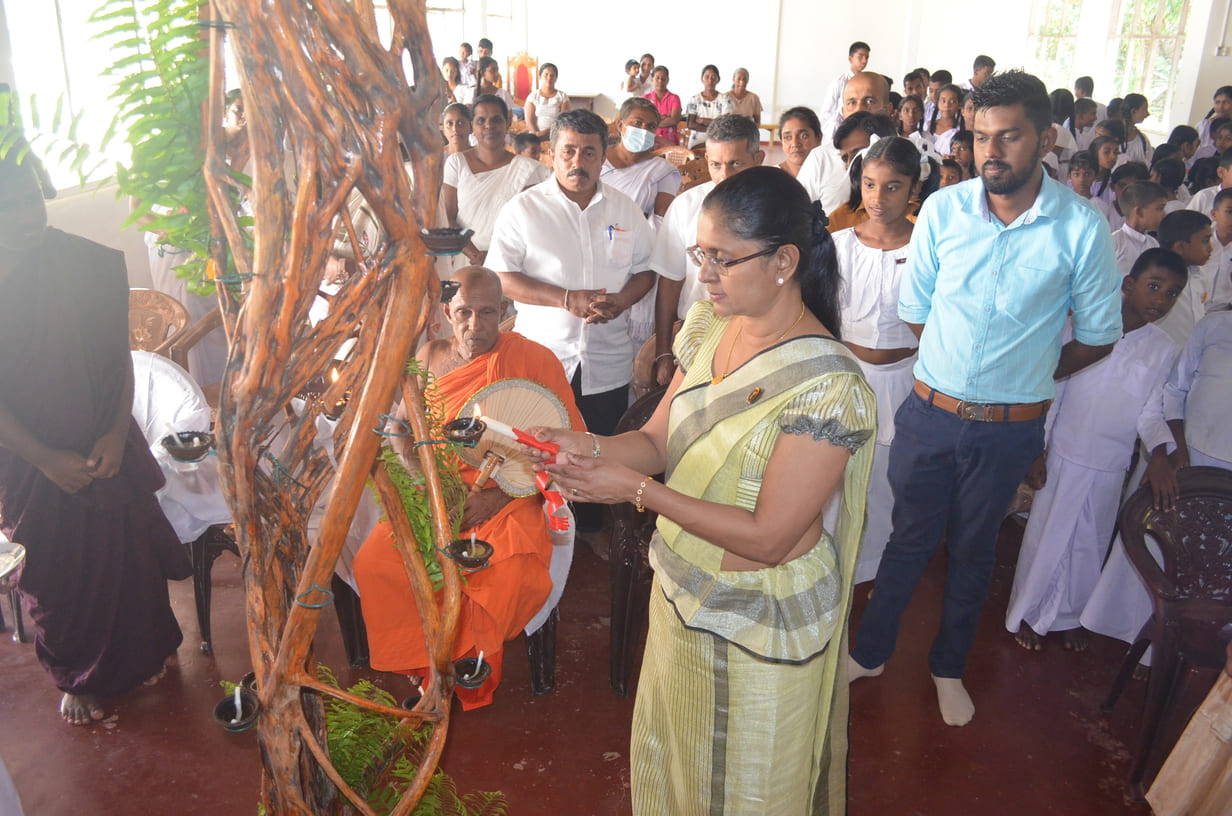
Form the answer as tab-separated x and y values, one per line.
238	708
501	428
478	666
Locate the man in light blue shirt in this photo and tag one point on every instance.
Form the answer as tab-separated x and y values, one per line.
996	265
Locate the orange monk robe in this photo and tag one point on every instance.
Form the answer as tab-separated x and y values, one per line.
497	602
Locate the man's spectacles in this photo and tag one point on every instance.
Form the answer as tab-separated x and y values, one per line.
699	257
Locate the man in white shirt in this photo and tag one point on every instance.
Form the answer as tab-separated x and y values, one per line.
733	144
575	255
831	105
823	174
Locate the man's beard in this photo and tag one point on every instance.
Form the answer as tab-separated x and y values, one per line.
1009	183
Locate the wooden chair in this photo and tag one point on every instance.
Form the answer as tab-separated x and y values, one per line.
155	321
1191	593
676	154
692	173
644	365
629	564
159	323
522	71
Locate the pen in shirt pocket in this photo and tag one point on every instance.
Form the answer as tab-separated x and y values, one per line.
612	229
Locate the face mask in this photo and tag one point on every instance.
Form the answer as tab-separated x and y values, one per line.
637	140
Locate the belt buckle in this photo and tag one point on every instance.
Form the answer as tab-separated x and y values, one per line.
972	412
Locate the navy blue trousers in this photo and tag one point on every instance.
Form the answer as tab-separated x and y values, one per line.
955	478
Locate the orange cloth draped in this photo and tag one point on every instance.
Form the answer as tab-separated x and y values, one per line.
497	602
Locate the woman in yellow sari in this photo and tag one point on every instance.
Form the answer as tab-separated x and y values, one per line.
742	704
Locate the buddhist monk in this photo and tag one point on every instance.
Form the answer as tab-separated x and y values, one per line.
500	600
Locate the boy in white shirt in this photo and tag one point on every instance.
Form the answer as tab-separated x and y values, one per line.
1218	270
1195	401
1097	417
1142	202
1188	234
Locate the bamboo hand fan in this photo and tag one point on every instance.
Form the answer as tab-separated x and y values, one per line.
523	404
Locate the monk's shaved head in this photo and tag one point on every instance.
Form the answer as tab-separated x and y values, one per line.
477	277
475	311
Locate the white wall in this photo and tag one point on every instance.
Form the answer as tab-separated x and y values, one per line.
1204	70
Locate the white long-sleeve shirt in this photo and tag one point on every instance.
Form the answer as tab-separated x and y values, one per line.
1199	389
1100	412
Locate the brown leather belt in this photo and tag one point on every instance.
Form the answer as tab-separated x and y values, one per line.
978	412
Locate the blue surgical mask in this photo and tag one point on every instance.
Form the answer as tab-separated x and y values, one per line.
637	140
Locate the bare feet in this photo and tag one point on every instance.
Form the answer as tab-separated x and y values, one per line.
954	701
855	671
80	709
1076	640
1028	639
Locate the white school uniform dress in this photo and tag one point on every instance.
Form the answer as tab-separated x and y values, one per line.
1188	309
869	280
1095	420
1129	244
1068	145
1198	390
546	236
943	142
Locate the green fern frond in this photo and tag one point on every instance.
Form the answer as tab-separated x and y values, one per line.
379	757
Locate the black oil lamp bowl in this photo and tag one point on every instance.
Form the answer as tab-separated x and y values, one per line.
466	676
464	431
470	554
188	446
445	240
225	714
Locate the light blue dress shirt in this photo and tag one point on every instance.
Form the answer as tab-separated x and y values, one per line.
993	298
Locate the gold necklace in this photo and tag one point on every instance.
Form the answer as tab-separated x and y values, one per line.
718	378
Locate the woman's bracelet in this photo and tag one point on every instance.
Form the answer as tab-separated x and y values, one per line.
594	446
641	490
661	356
564	304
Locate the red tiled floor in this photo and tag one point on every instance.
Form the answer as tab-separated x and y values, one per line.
1037	744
